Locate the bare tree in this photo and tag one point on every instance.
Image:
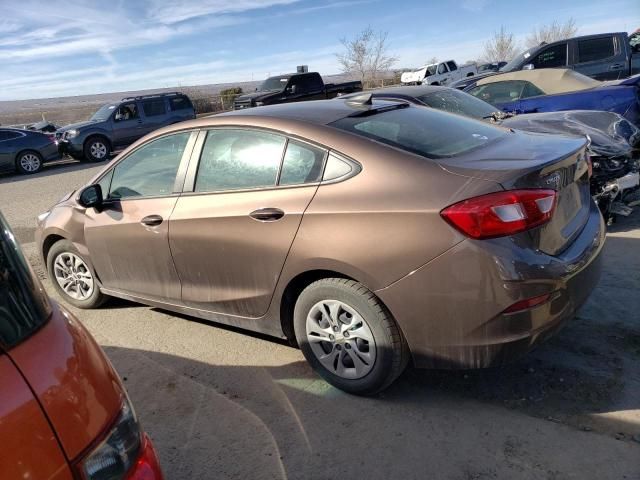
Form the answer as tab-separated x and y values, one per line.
552	33
366	55
500	47
432	60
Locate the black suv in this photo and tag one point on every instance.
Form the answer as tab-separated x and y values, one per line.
117	125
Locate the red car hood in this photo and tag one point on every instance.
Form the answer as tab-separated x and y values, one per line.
73	380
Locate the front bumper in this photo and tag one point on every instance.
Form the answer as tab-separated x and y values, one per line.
451	310
68	147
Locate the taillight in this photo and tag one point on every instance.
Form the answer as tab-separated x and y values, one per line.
502	213
125	453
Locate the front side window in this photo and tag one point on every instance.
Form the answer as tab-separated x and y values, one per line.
530	90
239	159
302	164
452	66
127	111
594	49
551	57
442	68
499	92
149	171
23	304
153	107
424	131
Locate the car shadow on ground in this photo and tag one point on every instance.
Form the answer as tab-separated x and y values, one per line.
285	422
64	165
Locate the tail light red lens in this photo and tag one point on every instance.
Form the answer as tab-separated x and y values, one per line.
502	213
528	303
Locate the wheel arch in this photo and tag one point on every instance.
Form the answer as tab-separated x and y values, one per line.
93	135
22	151
48	242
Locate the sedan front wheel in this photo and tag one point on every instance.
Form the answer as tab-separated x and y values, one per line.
72	277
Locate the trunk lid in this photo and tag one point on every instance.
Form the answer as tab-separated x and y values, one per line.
530	160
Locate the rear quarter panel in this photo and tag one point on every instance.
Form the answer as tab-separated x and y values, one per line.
384	222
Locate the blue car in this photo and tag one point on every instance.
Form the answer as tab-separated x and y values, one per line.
558	89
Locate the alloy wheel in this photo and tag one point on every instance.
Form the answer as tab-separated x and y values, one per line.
341	339
30	162
73	276
98	150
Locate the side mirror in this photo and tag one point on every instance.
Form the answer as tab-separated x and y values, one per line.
91	197
528	66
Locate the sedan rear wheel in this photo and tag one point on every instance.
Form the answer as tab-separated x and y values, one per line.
348	336
29	162
72	277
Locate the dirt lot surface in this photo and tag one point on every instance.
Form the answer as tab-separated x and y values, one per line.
222	403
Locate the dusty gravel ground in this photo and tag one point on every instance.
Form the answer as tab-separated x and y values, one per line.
222	403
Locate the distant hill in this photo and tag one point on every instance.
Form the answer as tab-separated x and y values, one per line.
65	110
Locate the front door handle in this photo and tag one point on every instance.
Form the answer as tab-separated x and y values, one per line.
152	220
616	66
267	214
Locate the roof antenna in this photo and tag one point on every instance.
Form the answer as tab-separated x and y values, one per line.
362	99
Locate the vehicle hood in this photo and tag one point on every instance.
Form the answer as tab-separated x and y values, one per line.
609	132
76	126
257	96
76	385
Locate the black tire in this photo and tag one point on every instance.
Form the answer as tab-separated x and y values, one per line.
29	162
96	298
97	149
392	353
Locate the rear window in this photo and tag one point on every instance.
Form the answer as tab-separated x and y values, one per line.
179	103
24	306
455	101
594	49
424	131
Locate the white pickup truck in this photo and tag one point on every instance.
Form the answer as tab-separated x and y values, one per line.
441	73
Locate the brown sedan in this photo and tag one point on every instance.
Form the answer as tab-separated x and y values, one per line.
368	232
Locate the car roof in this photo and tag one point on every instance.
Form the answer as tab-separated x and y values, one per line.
549	80
319	112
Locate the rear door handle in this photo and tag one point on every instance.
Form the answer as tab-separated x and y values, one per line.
267	214
152	220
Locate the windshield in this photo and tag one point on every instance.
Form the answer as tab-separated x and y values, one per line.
455	101
424	131
431	70
273	83
515	62
24	306
104	113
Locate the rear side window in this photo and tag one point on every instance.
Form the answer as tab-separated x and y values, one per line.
302	164
153	107
594	49
24	306
239	159
530	90
551	57
424	131
179	103
9	135
452	66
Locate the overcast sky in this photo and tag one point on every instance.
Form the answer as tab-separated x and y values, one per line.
58	48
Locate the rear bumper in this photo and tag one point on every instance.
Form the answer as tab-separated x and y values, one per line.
450	310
